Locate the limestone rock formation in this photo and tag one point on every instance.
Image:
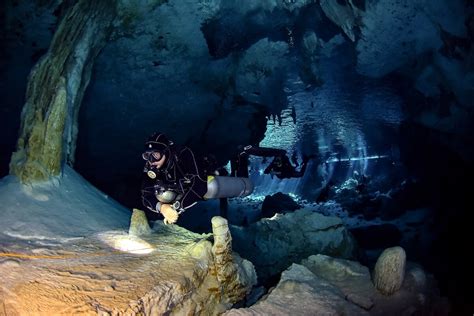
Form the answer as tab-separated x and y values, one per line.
274	244
418	293
313	49
55	89
139	223
323	285
65	248
300	292
352	278
390	36
429	43
389	270
67	208
173	273
346	16
222	248
26	34
263	68
235	275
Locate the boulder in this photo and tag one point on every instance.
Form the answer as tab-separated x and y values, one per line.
300	292
323	285
278	203
274	244
417	295
352	278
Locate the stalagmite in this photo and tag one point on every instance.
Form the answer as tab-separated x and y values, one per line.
389	270
222	248
139	223
235	275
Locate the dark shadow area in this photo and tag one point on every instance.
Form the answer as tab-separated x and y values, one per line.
446	180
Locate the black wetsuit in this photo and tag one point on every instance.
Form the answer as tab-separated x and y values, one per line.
282	168
182	174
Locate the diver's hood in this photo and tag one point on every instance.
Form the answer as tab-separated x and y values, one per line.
158	142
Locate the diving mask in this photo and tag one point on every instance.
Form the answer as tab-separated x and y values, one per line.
152	156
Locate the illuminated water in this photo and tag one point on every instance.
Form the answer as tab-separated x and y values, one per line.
351	124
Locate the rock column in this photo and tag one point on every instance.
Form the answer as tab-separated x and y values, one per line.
55	90
235	275
222	249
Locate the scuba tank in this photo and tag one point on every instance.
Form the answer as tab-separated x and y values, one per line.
227	187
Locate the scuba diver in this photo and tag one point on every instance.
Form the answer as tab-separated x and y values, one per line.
280	166
240	164
174	180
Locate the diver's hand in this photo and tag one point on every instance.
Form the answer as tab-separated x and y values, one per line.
170	214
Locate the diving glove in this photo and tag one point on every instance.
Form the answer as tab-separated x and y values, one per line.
169	213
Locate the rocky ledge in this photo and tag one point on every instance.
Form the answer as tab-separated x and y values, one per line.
166	270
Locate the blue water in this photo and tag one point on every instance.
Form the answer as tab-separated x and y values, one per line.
350	122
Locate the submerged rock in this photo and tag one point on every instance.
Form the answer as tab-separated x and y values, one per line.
274	244
278	203
354	280
350	277
171	271
323	285
300	292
